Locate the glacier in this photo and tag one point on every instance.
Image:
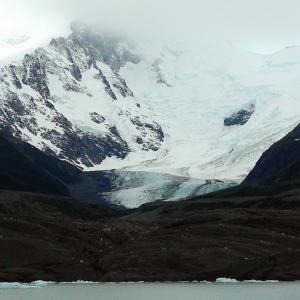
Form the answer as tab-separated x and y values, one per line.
206	84
131	189
154	111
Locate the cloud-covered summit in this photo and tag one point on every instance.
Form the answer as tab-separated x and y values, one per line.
258	25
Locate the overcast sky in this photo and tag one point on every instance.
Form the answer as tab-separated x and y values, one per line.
262	26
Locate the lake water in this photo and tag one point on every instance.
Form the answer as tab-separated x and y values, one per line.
163	291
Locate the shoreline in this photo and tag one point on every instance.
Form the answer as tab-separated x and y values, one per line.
41	283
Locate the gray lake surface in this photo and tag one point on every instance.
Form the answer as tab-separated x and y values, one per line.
163	291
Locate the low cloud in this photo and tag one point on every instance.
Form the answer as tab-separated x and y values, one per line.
262	25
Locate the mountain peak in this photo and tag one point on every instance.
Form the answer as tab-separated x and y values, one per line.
82	68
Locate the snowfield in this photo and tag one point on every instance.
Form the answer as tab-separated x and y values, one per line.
201	86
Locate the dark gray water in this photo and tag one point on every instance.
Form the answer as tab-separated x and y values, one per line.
215	291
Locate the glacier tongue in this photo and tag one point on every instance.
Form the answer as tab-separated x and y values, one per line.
131	189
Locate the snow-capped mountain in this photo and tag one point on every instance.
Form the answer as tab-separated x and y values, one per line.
69	99
194	110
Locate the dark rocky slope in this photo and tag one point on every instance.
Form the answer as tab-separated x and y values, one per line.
202	239
250	232
41	236
280	164
25	168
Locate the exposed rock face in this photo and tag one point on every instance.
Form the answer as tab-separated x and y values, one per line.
145	128
95	117
21	119
34	75
241	117
54	99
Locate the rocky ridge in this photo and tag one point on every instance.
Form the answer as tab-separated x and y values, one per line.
37	97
